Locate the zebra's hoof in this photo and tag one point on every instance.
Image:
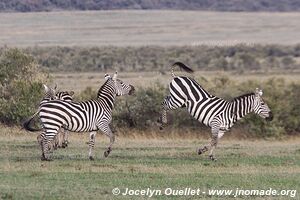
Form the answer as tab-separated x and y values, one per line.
91	158
161	128
45	159
211	157
106	153
200	151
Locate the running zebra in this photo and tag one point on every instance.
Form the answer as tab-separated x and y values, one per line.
218	114
61	141
88	116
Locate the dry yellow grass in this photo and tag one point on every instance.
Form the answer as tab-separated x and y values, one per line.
79	81
123	28
142	162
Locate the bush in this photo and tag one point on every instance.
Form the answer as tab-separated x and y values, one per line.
239	58
140	110
21	86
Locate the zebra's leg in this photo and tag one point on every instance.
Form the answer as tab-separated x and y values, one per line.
169	103
55	142
92	144
162	120
40	139
65	138
47	144
107	131
59	138
213	145
215	139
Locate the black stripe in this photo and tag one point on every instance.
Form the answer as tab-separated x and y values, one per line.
211	107
194	91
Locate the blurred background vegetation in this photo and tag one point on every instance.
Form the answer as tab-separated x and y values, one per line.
239	58
21	86
21	79
212	5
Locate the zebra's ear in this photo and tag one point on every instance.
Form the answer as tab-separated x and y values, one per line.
46	88
71	93
115	76
106	76
258	92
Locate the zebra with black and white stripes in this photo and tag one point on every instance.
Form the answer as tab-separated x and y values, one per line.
87	116
61	140
51	94
208	109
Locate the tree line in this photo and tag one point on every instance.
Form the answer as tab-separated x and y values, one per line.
240	58
210	5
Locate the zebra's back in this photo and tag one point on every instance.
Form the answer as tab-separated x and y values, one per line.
203	106
77	117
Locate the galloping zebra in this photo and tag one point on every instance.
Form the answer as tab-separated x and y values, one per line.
208	109
88	116
61	140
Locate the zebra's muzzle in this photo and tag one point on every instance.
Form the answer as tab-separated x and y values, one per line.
270	117
131	90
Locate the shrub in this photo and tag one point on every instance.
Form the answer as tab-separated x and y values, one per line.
140	110
21	87
239	58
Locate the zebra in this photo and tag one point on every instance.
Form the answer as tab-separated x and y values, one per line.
87	116
218	114
61	141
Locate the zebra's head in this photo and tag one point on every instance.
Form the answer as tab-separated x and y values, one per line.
52	94
260	107
49	92
120	87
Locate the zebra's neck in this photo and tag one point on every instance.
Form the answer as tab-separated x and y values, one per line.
107	94
243	105
48	96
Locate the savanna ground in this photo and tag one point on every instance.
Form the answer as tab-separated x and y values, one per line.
136	28
143	162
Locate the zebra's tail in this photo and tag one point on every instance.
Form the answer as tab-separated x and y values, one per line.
181	66
27	126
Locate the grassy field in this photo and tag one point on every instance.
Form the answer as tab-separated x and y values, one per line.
79	81
140	163
123	28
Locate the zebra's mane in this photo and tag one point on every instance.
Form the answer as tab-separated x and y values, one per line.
102	86
244	95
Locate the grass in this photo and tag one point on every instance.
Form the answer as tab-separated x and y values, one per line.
141	163
135	28
80	81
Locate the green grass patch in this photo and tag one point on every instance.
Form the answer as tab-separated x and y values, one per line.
142	164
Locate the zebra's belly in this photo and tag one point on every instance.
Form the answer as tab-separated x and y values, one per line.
80	125
205	122
204	119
